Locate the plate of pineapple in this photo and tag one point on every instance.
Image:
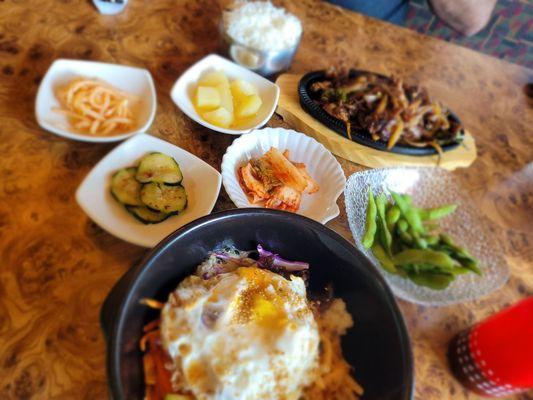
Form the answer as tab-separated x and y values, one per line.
224	96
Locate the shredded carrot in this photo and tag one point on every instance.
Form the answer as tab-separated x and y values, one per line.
157	377
149	369
152	325
147	338
152	303
162	373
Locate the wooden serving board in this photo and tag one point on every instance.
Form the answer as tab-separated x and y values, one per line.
290	110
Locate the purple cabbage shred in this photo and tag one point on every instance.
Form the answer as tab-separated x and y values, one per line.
273	262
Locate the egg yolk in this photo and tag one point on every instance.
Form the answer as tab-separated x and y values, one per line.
262	300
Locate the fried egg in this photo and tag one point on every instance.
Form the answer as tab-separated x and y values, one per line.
245	334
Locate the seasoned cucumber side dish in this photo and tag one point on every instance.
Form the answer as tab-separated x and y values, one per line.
164	198
158	167
147	216
125	188
151	192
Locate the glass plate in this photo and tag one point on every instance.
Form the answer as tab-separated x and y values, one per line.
431	187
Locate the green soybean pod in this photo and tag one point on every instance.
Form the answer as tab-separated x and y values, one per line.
405	237
402	225
370	223
418	241
470	263
447	240
410	214
424	213
383	258
438	212
428	268
392	216
384	234
408	199
424	256
402	271
431	280
431	226
461	254
460	271
431	240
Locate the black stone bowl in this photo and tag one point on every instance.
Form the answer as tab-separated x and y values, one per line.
377	346
362	137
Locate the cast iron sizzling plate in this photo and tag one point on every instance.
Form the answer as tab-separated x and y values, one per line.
361	137
377	346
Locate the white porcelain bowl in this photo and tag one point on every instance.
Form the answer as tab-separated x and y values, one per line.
321	164
201	181
183	91
135	81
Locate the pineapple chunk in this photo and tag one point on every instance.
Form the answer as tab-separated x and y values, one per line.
248	106
219	117
214	78
241	88
207	98
226	99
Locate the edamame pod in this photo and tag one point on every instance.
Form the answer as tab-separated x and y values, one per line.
437	212
392	216
410	213
418	241
405	237
422	256
383	258
430	226
431	240
470	263
431	280
370	223
403	225
384	234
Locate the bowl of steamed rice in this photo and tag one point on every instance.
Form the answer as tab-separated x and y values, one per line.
260	36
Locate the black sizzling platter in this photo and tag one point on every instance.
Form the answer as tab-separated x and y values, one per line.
361	137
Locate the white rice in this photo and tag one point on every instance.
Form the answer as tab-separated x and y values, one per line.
262	26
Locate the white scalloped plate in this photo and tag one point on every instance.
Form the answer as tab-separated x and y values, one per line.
321	164
431	187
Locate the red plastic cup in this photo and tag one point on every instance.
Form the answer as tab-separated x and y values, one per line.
495	357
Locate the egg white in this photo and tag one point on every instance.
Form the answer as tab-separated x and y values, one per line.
230	340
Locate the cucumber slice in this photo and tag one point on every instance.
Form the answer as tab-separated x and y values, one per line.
164	198
125	188
158	167
147	216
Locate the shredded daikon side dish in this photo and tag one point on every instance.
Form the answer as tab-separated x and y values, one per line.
93	107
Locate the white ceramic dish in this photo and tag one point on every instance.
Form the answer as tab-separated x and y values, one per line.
431	187
321	164
135	81
201	181
183	91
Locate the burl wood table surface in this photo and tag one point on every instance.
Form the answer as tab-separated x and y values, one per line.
57	266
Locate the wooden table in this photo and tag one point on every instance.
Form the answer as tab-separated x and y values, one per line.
57	266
